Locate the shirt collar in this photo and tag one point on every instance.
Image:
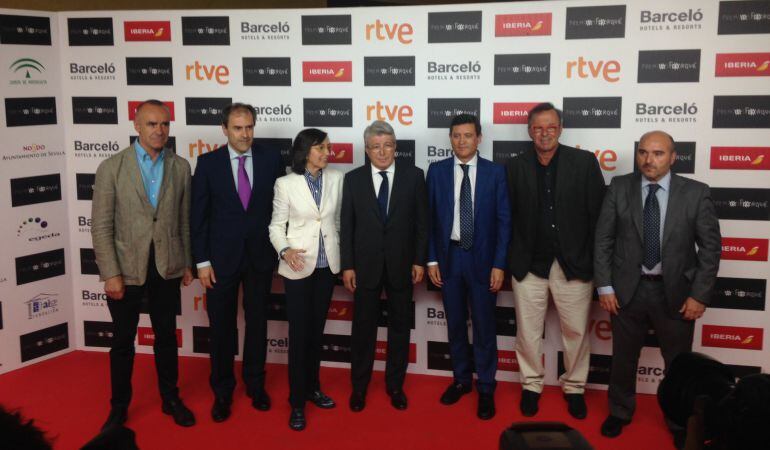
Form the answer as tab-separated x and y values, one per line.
310	177
142	154
235	155
390	169
472	162
664	182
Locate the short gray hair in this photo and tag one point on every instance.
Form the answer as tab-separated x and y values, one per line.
378	128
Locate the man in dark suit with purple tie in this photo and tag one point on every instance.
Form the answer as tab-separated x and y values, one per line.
232	198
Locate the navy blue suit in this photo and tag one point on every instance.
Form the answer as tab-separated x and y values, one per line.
235	240
466	273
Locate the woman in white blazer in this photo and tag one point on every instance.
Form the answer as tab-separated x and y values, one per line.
305	232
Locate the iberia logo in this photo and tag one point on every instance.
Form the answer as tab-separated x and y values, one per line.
743	65
381	351
327	71
512	113
538	24
342	153
147	30
744	249
732	337
740	158
340	310
146	336
132	105
507	361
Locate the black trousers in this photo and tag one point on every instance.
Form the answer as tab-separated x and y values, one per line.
307	304
222	306
629	328
366	313
163	296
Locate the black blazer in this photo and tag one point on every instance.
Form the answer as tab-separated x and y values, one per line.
579	192
222	231
371	245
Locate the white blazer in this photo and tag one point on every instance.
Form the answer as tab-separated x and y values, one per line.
293	204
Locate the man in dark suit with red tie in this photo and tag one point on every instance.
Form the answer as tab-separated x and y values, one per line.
384	236
232	196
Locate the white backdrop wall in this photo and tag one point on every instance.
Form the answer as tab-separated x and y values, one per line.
695	69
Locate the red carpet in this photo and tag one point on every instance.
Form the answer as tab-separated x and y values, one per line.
69	397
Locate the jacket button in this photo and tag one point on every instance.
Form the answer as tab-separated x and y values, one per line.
154	219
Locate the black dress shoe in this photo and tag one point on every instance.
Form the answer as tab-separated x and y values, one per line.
260	400
398	399
528	404
321	400
297	419
181	414
680	438
118	416
454	392
357	401
486	409
220	411
613	426
576	405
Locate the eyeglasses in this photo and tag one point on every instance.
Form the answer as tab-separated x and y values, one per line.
388	146
547	130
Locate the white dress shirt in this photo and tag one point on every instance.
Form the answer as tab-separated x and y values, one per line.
458	172
377	180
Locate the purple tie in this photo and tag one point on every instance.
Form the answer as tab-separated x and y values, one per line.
244	188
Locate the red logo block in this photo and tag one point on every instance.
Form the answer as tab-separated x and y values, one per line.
744	249
381	352
743	65
147	31
512	113
342	153
340	310
538	24
146	336
506	360
732	337
327	71
132	105
740	158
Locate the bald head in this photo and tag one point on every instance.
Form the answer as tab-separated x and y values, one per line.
655	154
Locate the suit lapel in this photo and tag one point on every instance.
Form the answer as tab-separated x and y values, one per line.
563	176
482	180
635	203
529	174
674	200
136	179
399	184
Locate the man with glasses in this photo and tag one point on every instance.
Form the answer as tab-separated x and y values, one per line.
556	193
384	239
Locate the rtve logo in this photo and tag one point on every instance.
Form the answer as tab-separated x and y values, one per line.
380	31
607	158
388	113
582	68
198	148
207	72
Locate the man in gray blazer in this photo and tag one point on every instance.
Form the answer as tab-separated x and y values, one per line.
141	237
647	268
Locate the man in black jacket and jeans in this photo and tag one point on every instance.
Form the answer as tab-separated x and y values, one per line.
556	193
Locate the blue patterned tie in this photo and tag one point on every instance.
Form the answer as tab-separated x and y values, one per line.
651	228
466	211
382	196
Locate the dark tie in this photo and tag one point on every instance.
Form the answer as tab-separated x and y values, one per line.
466	210
651	228
382	196
244	188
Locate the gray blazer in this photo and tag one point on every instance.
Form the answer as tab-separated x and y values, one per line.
124	222
690	219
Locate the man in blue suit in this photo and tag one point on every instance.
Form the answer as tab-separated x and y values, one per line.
469	234
232	203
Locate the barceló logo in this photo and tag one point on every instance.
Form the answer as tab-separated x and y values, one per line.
147	30
327	71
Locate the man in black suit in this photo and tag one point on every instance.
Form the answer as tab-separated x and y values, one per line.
556	193
647	269
384	237
232	203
